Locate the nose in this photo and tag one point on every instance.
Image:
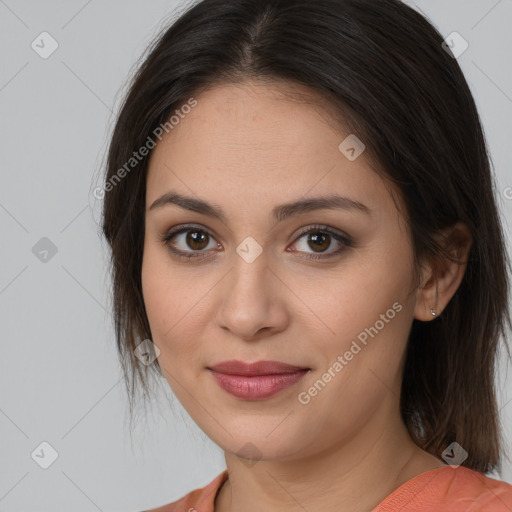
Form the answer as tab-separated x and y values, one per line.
252	300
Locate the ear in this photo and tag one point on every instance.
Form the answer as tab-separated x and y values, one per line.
448	274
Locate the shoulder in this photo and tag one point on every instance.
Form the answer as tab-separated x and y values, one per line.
479	492
201	499
450	489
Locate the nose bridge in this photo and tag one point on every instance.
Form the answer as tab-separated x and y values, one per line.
248	297
250	269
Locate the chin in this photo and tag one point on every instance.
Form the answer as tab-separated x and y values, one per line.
261	443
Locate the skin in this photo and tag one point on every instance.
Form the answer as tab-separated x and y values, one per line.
247	148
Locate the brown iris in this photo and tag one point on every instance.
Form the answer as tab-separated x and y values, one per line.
318	239
195	239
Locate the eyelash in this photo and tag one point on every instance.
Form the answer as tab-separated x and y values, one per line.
316	229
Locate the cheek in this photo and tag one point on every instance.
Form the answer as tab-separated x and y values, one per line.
154	286
355	298
173	306
368	313
160	297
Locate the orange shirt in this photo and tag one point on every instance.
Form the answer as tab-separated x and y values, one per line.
444	489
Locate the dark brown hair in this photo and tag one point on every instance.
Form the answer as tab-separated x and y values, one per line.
382	68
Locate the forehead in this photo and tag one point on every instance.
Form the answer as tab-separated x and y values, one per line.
253	143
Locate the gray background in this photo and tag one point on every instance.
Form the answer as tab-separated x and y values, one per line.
59	374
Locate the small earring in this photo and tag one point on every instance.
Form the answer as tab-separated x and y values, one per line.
432	310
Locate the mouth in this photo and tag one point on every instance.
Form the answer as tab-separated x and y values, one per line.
256	381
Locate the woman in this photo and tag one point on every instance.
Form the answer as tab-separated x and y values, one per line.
306	246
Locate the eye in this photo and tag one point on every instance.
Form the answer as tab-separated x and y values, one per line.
320	238
189	236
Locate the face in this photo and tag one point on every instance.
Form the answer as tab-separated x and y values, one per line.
321	288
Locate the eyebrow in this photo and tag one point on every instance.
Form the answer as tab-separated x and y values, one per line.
279	213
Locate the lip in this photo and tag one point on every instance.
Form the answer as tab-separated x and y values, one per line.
256	381
235	367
